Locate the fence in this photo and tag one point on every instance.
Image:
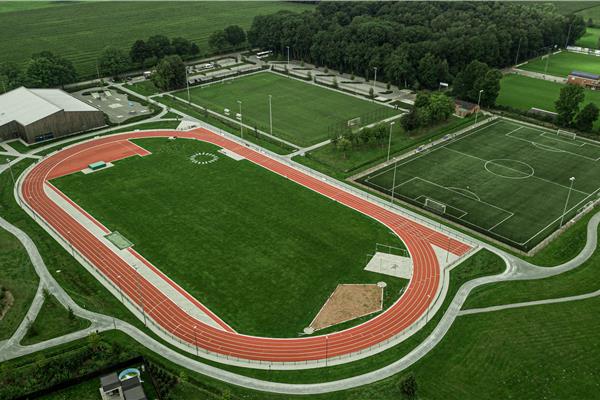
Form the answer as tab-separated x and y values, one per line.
193	348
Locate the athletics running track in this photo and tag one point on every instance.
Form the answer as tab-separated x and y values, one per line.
418	296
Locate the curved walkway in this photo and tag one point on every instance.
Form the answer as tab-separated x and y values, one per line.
420	293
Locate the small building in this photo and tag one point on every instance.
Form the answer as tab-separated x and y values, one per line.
35	115
584	79
464	108
111	388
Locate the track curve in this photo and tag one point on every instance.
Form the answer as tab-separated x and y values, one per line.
419	294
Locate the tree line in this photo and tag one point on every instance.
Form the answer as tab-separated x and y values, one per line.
415	44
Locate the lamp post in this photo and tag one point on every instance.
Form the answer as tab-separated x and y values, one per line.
518	50
10	169
196	340
270	116
375	79
390	140
394	182
478	101
187	83
241	120
288	53
572	179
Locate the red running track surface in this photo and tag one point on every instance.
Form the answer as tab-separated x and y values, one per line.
419	294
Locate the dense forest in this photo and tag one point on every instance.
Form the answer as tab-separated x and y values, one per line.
416	44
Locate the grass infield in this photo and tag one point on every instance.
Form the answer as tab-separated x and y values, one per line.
302	112
590	38
506	180
563	63
262	252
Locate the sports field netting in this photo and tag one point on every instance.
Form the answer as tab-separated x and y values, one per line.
302	112
507	180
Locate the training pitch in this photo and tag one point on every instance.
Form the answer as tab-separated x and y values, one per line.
302	112
507	180
260	251
563	63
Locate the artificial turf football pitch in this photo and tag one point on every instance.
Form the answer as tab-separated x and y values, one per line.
563	63
507	180
302	112
260	251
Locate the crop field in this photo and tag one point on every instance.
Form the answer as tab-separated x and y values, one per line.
590	38
79	31
507	180
260	251
563	63
523	92
302	112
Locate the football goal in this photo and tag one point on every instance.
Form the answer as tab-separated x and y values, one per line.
435	205
354	124
567	134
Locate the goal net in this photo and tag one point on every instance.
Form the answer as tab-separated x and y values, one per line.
435	205
354	124
566	134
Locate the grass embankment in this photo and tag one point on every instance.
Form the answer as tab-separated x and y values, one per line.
17	277
53	321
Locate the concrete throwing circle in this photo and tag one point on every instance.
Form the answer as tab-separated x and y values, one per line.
203	158
509	168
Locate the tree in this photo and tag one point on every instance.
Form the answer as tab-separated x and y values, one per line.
10	76
568	103
170	73
409	387
344	145
48	70
584	121
159	46
432	70
234	35
218	41
441	107
184	47
139	52
113	62
410	121
491	88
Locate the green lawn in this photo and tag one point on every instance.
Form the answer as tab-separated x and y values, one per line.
591	12
79	31
590	38
12	6
87	390
354	159
522	92
563	63
302	112
263	263
53	321
18	277
506	180
145	88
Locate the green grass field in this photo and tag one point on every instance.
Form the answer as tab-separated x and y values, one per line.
79	31
13	6
590	38
262	252
52	321
590	12
523	92
302	112
506	180
563	63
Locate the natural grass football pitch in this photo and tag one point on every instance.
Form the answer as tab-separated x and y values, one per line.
262	252
523	92
590	38
80	30
507	180
302	112
563	63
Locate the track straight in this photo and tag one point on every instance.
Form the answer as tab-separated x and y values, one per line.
418	296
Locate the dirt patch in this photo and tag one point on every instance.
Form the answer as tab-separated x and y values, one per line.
6	303
348	302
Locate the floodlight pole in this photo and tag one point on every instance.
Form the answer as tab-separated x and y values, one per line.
375	79
141	294
196	340
572	179
10	168
270	116
390	140
187	83
518	50
241	120
478	101
394	182
568	35
288	53
547	60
